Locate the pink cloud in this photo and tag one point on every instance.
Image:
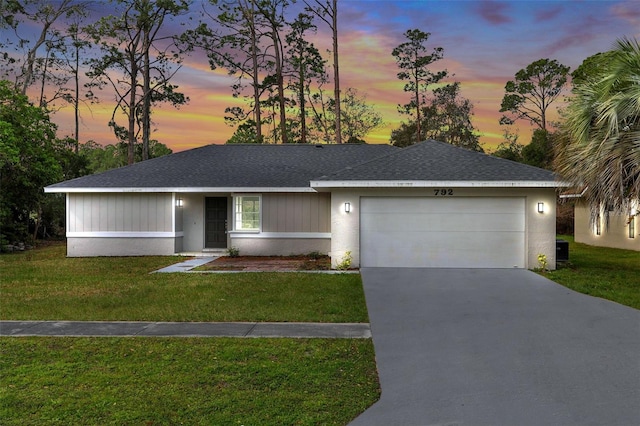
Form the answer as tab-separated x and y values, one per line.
629	12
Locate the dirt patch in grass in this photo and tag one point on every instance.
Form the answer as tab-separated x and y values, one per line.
268	263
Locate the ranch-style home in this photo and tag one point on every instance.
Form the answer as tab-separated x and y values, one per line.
428	205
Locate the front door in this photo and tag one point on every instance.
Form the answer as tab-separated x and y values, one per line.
215	228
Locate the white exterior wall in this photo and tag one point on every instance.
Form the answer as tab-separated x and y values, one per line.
121	224
280	246
291	223
539	228
120	246
193	220
616	235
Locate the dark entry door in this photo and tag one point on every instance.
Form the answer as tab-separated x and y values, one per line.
215	228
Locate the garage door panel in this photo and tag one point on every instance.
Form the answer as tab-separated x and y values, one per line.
444	250
449	221
439	205
433	232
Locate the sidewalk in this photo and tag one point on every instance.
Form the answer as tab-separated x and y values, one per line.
185	329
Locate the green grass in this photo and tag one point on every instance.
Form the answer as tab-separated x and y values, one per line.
153	381
45	285
608	273
162	381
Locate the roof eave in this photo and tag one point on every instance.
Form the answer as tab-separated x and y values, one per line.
574	195
67	190
435	183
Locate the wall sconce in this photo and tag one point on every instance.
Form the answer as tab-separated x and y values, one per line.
347	207
540	207
179	202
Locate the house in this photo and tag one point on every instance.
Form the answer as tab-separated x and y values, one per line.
604	228
428	205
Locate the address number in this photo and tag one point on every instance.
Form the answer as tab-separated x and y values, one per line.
443	192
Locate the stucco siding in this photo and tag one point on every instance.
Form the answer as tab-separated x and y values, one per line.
120	212
539	228
191	219
281	246
615	235
96	246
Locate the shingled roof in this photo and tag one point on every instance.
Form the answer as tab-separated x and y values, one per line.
230	167
300	167
433	161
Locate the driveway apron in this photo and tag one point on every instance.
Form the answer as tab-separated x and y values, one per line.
498	347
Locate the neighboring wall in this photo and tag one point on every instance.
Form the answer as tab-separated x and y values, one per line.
121	224
615	235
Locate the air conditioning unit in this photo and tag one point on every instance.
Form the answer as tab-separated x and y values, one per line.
562	250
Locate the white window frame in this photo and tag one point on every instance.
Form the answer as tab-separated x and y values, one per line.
237	215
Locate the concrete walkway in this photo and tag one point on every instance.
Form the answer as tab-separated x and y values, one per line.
188	265
185	329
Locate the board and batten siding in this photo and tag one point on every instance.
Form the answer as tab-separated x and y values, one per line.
296	212
290	224
120	213
117	224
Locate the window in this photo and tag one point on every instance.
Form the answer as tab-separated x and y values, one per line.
598	225
247	213
632	227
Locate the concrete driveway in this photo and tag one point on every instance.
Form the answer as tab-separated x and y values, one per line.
498	347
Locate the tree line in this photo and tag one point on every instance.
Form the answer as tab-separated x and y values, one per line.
266	47
595	145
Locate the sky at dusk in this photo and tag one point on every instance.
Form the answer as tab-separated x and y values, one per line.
485	43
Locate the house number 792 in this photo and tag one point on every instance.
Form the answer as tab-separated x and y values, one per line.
443	191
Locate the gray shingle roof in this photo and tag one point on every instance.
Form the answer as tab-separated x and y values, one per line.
439	161
233	166
294	166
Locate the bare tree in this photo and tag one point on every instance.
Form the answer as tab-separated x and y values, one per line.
76	44
273	12
41	62
232	39
328	12
132	44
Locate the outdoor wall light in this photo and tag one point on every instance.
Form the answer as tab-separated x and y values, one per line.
347	207
179	202
540	207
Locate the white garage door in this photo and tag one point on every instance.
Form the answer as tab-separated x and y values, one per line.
448	232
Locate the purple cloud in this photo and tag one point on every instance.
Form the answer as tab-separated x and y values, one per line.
548	14
494	12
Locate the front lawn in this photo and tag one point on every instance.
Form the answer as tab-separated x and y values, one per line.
608	273
162	381
171	381
45	285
